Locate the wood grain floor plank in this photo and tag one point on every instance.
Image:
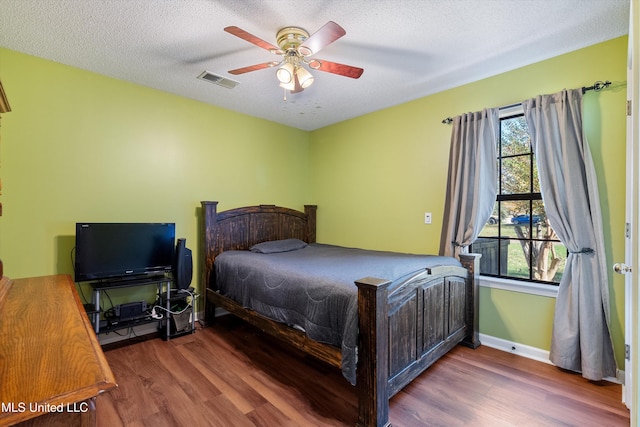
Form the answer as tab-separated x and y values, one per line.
268	415
222	412
533	376
228	384
286	400
225	385
231	374
185	374
130	388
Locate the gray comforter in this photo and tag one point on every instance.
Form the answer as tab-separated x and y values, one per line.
313	288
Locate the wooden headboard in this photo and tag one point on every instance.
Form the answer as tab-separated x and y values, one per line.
241	228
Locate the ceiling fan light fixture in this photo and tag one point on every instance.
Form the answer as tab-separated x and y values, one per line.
288	86
285	73
304	77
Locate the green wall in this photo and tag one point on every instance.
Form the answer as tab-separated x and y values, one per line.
79	146
375	176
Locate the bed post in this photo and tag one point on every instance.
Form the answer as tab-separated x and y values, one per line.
372	373
310	210
209	221
472	263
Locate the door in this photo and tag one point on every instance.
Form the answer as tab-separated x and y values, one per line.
632	253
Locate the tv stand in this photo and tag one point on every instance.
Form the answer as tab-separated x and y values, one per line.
93	310
168	299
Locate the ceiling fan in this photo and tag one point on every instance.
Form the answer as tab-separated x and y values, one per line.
295	46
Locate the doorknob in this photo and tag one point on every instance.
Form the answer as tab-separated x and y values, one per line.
621	268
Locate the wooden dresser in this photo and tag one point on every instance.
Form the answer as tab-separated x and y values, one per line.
51	364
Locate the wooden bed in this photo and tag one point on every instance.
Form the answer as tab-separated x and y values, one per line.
400	333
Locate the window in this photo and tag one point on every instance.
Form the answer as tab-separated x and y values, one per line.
517	242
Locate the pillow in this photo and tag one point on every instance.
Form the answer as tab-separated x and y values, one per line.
274	246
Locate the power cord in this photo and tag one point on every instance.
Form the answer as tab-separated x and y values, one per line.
156	315
187	291
153	311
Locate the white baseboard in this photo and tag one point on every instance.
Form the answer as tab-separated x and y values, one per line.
515	348
531	353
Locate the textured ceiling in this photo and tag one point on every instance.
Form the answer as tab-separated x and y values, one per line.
408	49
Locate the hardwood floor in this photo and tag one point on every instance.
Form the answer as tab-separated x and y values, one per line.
231	374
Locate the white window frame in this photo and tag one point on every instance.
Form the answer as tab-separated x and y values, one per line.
521	286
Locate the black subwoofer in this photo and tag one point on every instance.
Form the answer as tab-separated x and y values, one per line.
183	268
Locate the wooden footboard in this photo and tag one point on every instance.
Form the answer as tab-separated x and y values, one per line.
405	331
402	331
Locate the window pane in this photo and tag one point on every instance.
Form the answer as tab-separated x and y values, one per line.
516	175
536	179
517	265
506	212
490	229
550	256
549	261
518	211
544	230
494	254
514	136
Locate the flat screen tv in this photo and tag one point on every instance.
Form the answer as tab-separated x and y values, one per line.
113	251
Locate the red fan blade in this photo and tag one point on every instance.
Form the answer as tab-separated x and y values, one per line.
238	32
340	69
252	68
326	35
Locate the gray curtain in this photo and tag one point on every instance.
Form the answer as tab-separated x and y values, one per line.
472	181
581	340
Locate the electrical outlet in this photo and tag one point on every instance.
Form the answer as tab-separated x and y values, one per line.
427	217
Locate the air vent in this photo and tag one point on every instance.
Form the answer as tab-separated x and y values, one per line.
219	80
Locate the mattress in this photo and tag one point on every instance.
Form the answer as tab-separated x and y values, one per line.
311	287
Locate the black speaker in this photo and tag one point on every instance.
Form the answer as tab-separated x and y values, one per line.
183	268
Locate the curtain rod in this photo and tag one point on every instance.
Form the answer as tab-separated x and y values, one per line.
596	87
